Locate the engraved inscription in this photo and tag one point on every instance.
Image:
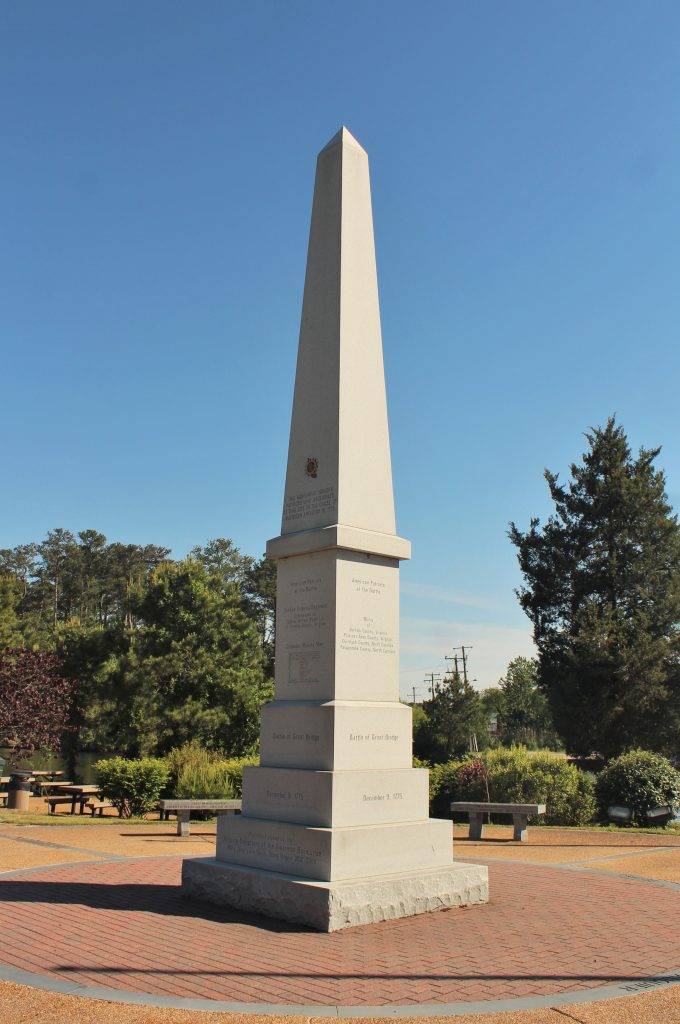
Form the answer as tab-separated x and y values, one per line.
303	667
279	849
367	638
381	797
296	737
285	797
373	737
305	616
305	585
365	585
311	503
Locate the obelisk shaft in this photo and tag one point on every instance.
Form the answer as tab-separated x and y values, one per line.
339	468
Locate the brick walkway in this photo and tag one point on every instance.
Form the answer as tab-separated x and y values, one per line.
123	925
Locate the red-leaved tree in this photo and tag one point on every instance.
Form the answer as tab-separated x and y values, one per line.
35	701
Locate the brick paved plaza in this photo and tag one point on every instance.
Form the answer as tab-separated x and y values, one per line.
551	930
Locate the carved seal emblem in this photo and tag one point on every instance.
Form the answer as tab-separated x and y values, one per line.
312	467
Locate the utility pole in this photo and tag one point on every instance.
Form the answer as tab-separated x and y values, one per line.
433	678
462	647
454	659
414	694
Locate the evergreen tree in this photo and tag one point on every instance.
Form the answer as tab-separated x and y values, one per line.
454	714
10	635
602	589
259	587
524	715
195	668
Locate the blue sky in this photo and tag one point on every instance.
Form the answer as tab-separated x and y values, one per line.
155	185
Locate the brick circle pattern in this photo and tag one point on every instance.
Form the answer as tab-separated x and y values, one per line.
123	925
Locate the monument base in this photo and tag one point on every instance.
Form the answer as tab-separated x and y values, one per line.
329	906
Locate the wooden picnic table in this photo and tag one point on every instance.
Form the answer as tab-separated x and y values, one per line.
79	794
56	787
43	779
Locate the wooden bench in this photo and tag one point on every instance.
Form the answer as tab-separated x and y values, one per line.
183	809
52	801
98	807
477	809
54	787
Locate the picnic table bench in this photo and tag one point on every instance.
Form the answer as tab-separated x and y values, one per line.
70	794
52	801
183	809
42	779
95	806
477	809
55	787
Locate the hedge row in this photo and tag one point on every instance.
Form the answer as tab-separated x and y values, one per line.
516	775
639	779
134	787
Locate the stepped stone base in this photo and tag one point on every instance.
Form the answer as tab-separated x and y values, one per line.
330	906
333	854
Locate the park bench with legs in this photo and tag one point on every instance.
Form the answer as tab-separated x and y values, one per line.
52	801
183	809
95	806
477	809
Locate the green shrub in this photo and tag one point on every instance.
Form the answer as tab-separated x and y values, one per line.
191	756
234	768
133	787
516	775
200	774
444	786
640	780
203	782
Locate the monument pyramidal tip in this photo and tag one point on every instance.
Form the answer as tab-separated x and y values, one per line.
334	829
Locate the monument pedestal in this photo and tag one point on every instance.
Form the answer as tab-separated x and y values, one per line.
335	829
329	906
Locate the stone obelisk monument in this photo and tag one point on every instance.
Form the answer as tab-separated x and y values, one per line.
335	829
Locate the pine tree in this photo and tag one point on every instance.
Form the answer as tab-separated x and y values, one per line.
454	713
10	635
602	589
524	715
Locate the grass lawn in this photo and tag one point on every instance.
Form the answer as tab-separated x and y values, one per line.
72	820
86	820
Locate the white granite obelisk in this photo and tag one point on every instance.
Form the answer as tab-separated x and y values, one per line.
335	828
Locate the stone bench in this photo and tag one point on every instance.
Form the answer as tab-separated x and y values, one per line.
183	809
477	809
